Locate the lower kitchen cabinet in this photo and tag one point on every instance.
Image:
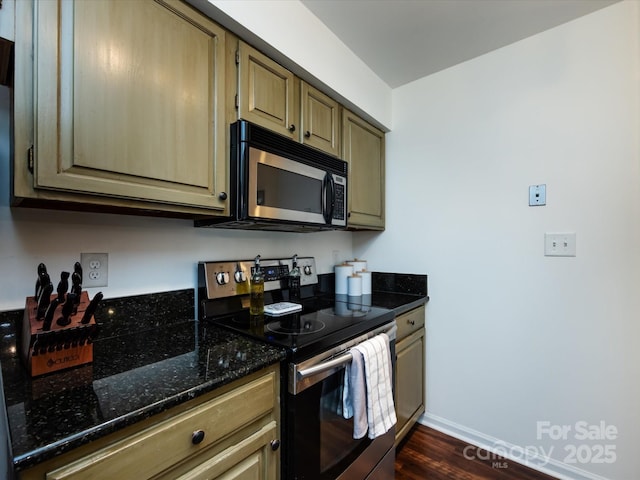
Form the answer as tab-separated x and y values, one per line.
410	367
231	433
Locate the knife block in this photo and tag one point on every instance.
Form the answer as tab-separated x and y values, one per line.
60	347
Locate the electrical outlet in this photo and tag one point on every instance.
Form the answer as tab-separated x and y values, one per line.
560	244
95	269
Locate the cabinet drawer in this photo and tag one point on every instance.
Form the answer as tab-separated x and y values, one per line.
159	447
409	322
247	459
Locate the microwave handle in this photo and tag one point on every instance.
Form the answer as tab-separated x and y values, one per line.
328	197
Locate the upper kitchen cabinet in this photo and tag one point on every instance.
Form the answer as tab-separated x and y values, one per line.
120	105
320	120
363	148
271	96
266	92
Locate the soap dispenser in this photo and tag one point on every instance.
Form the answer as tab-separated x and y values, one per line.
256	305
294	280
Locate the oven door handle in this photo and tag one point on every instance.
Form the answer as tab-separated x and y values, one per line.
328	365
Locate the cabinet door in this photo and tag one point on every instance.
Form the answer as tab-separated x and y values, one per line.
320	120
250	459
409	382
128	101
363	148
266	92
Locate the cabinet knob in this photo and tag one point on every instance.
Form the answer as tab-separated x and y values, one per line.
222	196
292	128
275	444
307	134
197	437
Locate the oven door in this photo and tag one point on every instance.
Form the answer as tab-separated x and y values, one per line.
283	189
320	443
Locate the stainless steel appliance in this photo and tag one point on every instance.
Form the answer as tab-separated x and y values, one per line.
279	184
317	442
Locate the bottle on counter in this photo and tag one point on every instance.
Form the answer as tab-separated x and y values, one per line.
294	281
256	305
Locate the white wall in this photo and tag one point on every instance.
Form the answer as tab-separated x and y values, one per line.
514	337
145	254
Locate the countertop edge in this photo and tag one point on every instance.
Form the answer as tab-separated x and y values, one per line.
410	306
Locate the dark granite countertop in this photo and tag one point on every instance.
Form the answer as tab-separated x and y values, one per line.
149	356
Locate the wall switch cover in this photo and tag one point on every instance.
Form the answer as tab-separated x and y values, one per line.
537	195
560	244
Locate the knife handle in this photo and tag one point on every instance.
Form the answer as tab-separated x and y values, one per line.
76	289
44	301
63	286
77	268
91	308
42	268
67	310
48	317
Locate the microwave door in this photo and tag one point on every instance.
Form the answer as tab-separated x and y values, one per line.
283	189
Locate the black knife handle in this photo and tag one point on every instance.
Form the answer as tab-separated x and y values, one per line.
91	308
67	310
48	317
44	301
42	268
63	285
77	268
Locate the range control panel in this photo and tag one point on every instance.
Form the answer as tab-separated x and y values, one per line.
230	278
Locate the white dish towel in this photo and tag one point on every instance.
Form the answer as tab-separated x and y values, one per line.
367	388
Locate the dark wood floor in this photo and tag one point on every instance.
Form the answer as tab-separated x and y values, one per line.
427	454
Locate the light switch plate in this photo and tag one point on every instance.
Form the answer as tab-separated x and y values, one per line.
537	195
560	244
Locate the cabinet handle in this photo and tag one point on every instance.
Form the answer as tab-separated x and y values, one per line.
275	444
292	128
197	437
307	134
222	196
412	322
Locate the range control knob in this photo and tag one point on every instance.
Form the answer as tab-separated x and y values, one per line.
222	278
240	276
307	269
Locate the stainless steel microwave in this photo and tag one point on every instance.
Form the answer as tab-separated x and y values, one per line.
279	184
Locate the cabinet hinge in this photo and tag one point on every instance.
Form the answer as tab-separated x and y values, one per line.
237	105
237	57
30	159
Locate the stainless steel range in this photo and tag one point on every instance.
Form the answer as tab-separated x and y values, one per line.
317	442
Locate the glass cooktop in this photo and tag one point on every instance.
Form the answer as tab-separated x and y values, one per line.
308	332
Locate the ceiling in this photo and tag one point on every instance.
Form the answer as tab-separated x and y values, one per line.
403	40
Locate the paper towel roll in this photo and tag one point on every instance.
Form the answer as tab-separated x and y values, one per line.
366	282
354	285
342	272
358	265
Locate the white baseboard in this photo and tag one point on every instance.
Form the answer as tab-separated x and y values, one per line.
496	446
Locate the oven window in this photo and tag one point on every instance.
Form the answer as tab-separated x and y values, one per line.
336	433
322	446
278	188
